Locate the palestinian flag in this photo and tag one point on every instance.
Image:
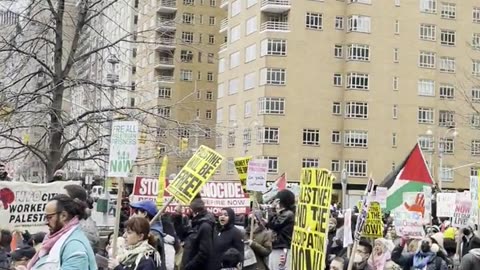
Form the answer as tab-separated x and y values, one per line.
410	176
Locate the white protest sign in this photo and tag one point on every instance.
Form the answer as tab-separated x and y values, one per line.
347	233
409	224
474	197
381	196
123	148
427	190
463	206
257	175
24	204
445	204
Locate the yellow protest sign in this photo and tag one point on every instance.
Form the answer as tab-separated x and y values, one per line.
310	234
241	164
161	181
190	180
374	224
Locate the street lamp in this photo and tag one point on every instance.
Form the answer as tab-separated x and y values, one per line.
452	131
344	181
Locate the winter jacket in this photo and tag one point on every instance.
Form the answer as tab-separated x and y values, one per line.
89	228
405	260
180	222
146	263
157	231
281	225
5	259
198	248
227	237
471	261
262	247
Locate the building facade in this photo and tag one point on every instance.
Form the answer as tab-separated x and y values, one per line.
351	85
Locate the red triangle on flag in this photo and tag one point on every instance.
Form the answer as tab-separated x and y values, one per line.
415	168
282	182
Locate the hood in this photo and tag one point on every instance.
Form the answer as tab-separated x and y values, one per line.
203	216
90	229
475	252
231	218
157	226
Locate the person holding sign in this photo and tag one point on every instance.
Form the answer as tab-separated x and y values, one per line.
261	243
428	256
228	236
381	256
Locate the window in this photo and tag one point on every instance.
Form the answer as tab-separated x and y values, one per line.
271	105
251	26
211	58
249	81
218	141
426	88
234	60
231	138
358	52
268	135
394	139
200	57
446	118
356	168
447	91
397	27
232	114
428	32
358	110
186	75
247	136
357	23
208	114
428	6
209	95
449	11
251	3
236	7
447	64
476	41
234	34
357	81
221	90
395	83
476	14
188	2
446	173
395	111
213	3
336	108
230	166
233	86
360	1
273	76
476	67
476	94
164	112
164	92
426	142
396	55
211	20
427	59
335	165
447	146
338	52
272	164
339	22
211	39
336	136
187	37
314	21
276	47
219	115
425	115
9	18
447	37
397	3
475	121
210	76
186	56
310	163
311	137
337	79
475	148
355	138
247	109
250	53
188	18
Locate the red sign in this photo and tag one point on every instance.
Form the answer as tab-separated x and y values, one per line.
215	194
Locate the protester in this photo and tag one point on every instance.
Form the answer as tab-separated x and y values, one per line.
5	240
140	254
21	256
58	175
172	243
65	246
471	260
363	252
381	256
198	249
467	236
180	222
281	223
261	243
339	263
228	235
231	260
426	257
4	174
36	240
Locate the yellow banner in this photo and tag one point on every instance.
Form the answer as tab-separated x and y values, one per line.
373	227
241	164
190	180
161	181
310	234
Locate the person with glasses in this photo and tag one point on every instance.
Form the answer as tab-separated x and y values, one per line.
65	246
339	263
228	235
360	258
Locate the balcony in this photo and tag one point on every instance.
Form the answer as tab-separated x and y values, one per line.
166	6
224	4
275	6
165	44
272	26
224	25
165	63
166	25
223	47
165	79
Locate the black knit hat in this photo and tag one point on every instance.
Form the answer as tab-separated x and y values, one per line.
286	197
197	205
475	242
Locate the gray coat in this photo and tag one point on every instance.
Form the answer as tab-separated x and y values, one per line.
471	261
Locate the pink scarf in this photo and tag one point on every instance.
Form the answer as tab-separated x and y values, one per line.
378	262
50	241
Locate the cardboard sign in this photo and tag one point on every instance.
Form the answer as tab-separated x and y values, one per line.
310	234
463	207
474	198
24	204
347	233
257	175
427	190
241	165
381	196
409	224
190	180
445	204
161	182
374	224
123	148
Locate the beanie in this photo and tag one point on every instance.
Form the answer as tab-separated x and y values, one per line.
197	205
287	198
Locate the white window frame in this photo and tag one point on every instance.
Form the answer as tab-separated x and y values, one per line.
428	32
426	115
446	91
449	10
219	115
475	121
447	146
359	23
250	80
186	75
335	165
268	135
339	22
247	109
251	53
273	163
476	67
235	33
396	55
221	65
475	148
427	59
338	51
358	52
337	79
165	92
310	163
221	90
236	8
187	37
355	138
337	108
448	37
358	81
356	168
208	114
446	118
447	64
251	26
476	15
314	20
234	59
426	142
165	112
397	27
271	106
233	86
311	137
475	94
274	47
395	83
426	88
356	110
336	137
273	76
428	6
446	174
395	111
476	41
474	171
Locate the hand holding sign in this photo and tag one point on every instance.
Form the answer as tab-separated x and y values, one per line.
418	206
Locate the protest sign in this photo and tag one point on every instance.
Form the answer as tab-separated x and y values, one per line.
363	209
474	197
408	224
123	148
189	181
381	196
347	233
445	204
311	220
374	223
427	191
463	206
241	165
24	204
257	175
161	181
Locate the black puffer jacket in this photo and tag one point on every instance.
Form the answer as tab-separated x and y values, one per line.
281	225
227	237
198	248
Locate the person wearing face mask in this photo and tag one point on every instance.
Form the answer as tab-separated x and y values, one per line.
467	236
427	257
228	235
471	261
360	259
